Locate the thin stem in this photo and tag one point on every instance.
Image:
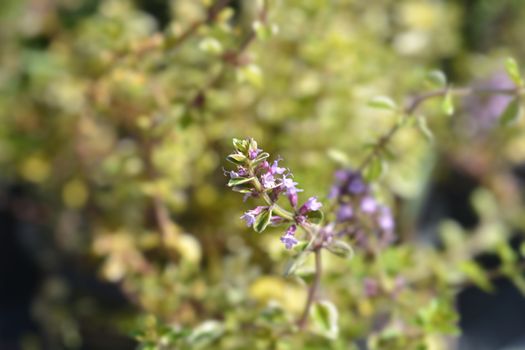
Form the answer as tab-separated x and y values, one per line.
419	100
312	291
161	214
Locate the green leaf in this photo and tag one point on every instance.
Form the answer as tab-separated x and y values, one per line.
325	319
341	249
205	333
253	145
262	221
374	169
439	317
262	156
477	275
315	217
338	157
240	145
241	189
437	78
507	255
423	128
211	45
513	70
511	112
239	181
237	158
263	30
522	249
295	263
383	102
299	259
252	74
448	104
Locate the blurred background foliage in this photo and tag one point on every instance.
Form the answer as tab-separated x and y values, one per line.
116	116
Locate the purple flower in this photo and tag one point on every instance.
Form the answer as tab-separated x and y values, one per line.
253	153
371	287
348	182
368	205
312	204
342	175
242	171
251	215
268	181
335	191
300	219
328	233
483	111
276	169
291	190
399	284
385	219
345	212
288	238
356	185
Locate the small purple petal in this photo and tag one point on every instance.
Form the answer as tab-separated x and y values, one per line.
342	175
385	220
293	198
275	169
268	180
288	238
368	205
252	154
356	185
345	213
335	191
251	215
371	287
300	219
289	241
312	204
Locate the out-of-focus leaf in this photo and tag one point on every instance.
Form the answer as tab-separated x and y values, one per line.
513	70
299	259
338	156
438	317
383	102
315	216
374	169
447	106
437	78
423	128
211	45
252	74
205	334
475	273
325	318
511	112
341	249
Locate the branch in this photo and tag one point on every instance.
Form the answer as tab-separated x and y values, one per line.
418	100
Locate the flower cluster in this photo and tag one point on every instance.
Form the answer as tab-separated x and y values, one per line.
257	177
358	212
